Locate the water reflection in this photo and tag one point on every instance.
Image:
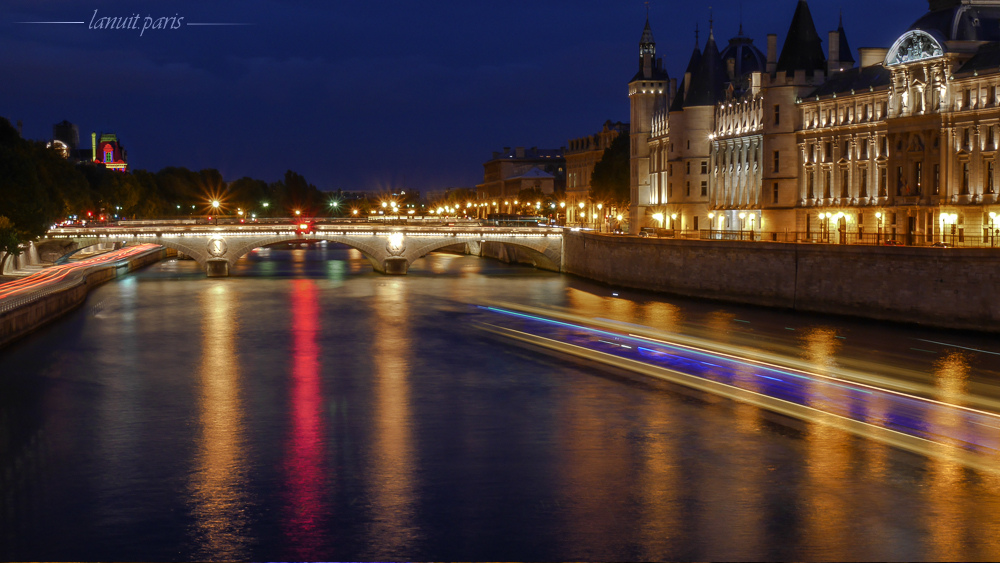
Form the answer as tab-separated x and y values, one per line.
217	484
391	478
306	474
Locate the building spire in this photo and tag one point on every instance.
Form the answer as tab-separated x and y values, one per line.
741	18
697	40
711	23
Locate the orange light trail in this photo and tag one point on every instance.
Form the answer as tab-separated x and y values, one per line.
55	274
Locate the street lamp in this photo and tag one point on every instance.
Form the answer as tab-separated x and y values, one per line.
742	216
878	230
993	230
215	207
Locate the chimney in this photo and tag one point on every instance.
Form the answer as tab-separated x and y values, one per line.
754	83
519	152
871	56
731	68
673	88
833	60
772	52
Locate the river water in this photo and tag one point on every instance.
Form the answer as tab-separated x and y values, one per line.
308	408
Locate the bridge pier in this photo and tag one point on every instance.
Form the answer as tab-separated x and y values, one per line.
396	265
217	268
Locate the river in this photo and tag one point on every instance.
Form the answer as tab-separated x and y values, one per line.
308	408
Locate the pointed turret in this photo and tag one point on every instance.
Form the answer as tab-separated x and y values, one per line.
708	83
803	49
646	43
845	49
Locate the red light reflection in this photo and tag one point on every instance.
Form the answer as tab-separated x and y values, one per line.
305	468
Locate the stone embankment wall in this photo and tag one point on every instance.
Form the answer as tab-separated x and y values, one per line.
32	316
944	287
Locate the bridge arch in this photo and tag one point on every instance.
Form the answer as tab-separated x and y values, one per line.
245	246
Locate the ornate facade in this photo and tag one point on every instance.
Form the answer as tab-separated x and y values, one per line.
902	146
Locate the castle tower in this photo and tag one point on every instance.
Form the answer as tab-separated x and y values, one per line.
648	93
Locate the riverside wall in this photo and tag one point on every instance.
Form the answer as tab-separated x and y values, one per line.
942	287
30	317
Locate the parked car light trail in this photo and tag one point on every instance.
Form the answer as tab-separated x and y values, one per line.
919	424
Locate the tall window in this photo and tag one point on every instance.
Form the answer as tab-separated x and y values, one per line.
918	176
687	167
812	184
704	188
864	148
774	196
777	114
689	188
967	138
777	161
695	223
936	187
899	180
965	178
844	187
864	182
827	185
704	167
883	182
989	177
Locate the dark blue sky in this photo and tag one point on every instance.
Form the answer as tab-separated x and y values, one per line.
364	95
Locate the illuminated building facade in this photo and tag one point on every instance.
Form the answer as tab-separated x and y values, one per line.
813	146
511	171
583	154
110	153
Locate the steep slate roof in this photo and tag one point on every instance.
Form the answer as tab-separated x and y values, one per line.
708	84
875	76
803	49
678	103
987	59
845	55
647	35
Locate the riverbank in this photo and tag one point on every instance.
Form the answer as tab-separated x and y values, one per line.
35	312
939	287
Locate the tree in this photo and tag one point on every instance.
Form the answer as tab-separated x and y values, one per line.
10	241
610	181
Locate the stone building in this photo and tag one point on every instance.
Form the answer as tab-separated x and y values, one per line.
511	171
583	154
813	146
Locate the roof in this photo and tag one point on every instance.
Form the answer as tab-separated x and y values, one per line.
746	57
973	21
111	137
987	59
708	83
803	49
844	55
647	35
535	172
875	76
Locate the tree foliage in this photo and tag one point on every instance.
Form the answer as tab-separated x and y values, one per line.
610	181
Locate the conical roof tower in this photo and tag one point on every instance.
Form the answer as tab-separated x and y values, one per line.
803	49
708	84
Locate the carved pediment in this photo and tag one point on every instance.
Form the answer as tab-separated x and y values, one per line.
915	45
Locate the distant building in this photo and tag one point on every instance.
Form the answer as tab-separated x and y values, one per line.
511	171
109	152
583	154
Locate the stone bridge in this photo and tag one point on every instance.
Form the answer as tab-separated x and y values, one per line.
390	249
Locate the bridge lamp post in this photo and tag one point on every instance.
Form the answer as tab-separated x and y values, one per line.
878	229
215	210
742	216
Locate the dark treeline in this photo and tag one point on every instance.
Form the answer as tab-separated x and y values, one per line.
39	188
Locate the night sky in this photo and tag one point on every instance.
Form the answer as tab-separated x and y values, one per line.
363	95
